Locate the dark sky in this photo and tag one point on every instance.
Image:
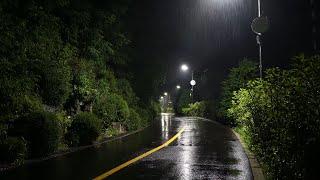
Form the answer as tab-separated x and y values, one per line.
216	34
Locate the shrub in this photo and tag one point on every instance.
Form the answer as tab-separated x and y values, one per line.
183	101
85	128
145	116
196	109
237	79
41	130
280	117
155	108
64	121
125	90
134	121
13	150
111	108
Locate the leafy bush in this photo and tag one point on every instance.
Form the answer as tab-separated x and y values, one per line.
280	116
56	77
64	121
134	121
125	90
155	108
196	109
111	108
183	101
237	79
41	130
145	115
85	128
13	150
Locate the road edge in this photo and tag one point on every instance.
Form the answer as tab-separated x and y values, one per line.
74	149
256	169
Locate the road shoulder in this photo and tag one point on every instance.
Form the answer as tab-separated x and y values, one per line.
257	171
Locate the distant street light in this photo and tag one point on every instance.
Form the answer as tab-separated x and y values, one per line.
184	67
166	94
193	82
161	97
178	87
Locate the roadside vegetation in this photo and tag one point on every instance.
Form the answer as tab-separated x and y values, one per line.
184	106
277	116
65	79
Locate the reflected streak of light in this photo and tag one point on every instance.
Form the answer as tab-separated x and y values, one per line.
165	122
187	154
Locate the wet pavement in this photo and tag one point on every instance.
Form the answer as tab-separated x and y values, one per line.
205	150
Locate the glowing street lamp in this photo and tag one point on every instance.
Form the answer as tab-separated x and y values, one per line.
184	67
178	87
166	94
193	82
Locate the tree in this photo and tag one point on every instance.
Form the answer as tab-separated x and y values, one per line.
183	100
237	79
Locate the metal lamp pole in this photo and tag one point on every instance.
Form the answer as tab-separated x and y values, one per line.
259	40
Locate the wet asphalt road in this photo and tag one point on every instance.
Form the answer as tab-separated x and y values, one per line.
205	150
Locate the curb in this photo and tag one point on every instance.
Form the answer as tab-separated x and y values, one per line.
255	166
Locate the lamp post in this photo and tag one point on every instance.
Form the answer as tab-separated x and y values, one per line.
259	40
185	68
259	26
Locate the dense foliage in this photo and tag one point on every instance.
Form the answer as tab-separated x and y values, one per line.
84	130
183	101
195	109
203	109
134	121
279	118
111	108
13	150
67	57
41	130
237	78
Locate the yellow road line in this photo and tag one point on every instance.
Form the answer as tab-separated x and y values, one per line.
118	168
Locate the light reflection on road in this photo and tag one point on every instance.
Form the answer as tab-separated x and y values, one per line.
165	122
187	151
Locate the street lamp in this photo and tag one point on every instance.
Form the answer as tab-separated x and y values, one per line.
166	94
184	67
193	83
259	26
178	87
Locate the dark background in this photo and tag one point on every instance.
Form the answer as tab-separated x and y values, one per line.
216	34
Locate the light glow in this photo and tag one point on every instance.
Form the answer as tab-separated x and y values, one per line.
193	82
184	67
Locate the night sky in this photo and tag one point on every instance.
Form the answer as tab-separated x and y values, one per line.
216	34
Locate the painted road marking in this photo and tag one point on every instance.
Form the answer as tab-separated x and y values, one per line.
118	168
